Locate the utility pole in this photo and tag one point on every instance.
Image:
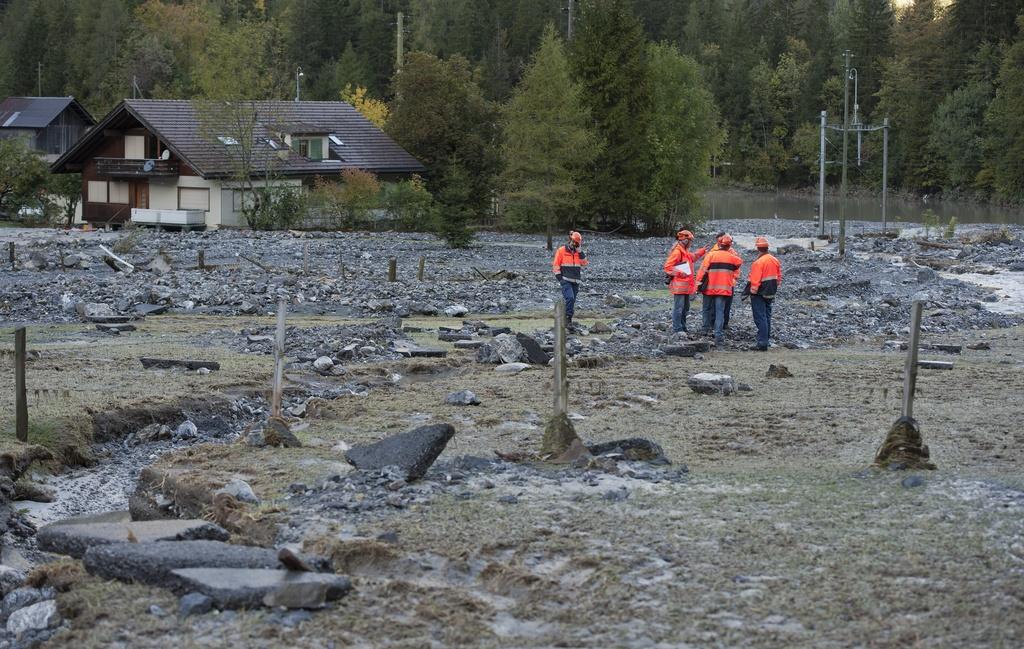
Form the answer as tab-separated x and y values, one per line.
298	75
39	78
821	175
846	130
399	44
885	167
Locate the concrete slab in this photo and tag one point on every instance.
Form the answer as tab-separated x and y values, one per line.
73	539
154	563
247	588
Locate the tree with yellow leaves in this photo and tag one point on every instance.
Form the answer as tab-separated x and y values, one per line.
372	109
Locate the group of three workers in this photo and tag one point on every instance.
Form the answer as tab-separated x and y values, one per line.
715	280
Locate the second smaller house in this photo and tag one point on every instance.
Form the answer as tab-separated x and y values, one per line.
192	164
48	125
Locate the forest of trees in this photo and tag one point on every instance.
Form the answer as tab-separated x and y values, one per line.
623	123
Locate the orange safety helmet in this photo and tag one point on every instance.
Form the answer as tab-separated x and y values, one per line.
684	234
724	241
761	243
576	237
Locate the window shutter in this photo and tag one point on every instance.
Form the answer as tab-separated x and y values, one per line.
97	191
193	198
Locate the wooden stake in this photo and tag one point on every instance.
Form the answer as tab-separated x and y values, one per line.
275	399
419	271
392	270
10	249
910	370
201	259
561	379
20	391
305	258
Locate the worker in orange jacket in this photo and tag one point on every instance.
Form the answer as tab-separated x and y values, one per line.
723	267
568	266
679	275
763	282
708	303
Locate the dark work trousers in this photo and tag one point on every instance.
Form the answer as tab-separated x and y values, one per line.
762	312
728	312
569	291
707	312
719	301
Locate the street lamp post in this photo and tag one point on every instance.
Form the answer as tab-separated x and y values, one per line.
298	73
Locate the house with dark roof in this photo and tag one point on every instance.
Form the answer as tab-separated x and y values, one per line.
48	125
196	163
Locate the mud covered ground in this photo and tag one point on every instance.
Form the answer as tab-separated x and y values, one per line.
768	530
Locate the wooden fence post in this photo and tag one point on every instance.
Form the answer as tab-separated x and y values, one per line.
561	379
275	399
201	259
20	390
10	250
305	258
419	271
910	370
392	270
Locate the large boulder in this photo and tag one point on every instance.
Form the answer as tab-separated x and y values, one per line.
155	563
534	353
37	617
411	453
709	383
76	538
509	349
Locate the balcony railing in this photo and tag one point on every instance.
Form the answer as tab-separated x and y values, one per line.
126	168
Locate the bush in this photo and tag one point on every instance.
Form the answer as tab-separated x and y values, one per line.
348	204
276	208
409	204
950	228
930	221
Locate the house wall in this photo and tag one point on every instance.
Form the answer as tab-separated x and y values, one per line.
233	218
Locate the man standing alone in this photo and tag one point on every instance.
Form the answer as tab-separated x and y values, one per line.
568	268
679	273
763	282
723	267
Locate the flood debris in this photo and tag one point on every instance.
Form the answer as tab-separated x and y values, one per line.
779	371
559	436
411	453
276	432
904	447
633	449
115	262
935	365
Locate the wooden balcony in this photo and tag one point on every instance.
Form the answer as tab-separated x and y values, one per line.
125	168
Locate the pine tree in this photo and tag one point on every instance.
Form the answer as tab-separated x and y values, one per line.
1005	125
870	41
609	58
547	143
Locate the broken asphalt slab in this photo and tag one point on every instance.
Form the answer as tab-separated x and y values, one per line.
74	539
249	588
155	563
412	452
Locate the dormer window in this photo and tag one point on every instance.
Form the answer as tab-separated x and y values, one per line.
309	147
227	140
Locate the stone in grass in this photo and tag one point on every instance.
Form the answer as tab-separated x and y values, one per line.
509	349
534	354
74	539
323	364
411	452
154	563
709	383
512	368
462	398
37	617
904	447
634	449
277	433
240	490
912	481
194	604
21	598
249	588
779	371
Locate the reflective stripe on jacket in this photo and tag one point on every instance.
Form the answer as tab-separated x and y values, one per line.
568	263
723	267
682	284
765	276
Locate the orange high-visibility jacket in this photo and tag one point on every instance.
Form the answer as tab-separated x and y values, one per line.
569	263
723	267
765	276
682	284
